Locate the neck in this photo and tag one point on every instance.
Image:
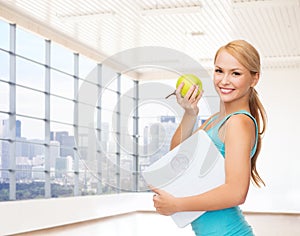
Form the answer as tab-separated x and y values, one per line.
228	108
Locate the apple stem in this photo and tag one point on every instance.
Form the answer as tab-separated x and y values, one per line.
170	94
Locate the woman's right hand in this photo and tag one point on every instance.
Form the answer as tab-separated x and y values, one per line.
190	101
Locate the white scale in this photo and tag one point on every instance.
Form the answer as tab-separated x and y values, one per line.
193	167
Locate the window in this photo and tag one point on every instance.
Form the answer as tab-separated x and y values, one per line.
4	96
62	58
47	162
30	74
30	102
86	66
30	46
62	84
4	68
4	39
66	108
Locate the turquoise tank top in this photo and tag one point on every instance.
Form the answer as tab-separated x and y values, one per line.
229	221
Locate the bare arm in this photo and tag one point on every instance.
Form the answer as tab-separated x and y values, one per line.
190	105
240	136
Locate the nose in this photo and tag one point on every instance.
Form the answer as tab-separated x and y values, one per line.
225	79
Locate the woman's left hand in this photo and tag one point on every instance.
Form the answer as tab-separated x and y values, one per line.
165	203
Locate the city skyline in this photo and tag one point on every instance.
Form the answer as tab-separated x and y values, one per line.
30	158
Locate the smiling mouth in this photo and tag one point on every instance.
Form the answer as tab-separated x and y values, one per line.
226	90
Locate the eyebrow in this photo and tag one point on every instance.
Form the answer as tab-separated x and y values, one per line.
230	69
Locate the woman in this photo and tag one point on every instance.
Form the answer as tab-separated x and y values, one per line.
236	130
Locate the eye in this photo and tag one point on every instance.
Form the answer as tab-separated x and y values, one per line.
236	73
218	71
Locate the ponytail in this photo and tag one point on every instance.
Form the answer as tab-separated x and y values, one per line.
258	112
249	57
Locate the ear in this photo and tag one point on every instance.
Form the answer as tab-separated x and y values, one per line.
255	79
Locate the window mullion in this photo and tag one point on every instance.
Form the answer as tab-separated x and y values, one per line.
135	171
118	125
76	156
47	120
100	152
12	114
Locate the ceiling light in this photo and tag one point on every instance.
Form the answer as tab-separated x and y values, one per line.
163	10
85	17
268	3
195	33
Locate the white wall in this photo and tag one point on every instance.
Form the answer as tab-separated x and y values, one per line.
279	162
29	215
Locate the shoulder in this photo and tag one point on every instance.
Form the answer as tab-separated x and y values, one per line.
240	124
241	119
208	121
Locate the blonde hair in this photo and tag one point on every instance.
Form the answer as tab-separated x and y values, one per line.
248	56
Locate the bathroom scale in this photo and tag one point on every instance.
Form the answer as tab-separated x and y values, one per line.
193	167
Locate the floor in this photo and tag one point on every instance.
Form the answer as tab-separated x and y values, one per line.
150	223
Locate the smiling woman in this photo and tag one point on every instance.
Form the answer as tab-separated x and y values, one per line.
236	131
231	78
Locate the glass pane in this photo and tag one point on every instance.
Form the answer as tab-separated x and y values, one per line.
62	84
4	32
4	127
127	144
109	118
63	183
5	158
32	129
126	173
86	65
23	170
29	190
36	153
63	166
4	96
4	68
30	102
142	185
156	130
127	112
88	183
38	174
68	152
61	110
60	130
109	78
113	83
30	45
54	154
62	58
109	175
4	186
112	143
89	93
30	74
109	100
127	86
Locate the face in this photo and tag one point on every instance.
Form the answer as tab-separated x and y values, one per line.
231	79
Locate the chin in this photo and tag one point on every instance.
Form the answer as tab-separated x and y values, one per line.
226	98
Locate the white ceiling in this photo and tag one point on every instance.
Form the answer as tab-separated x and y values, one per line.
195	27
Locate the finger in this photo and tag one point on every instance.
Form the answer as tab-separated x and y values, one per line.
179	88
194	94
155	190
199	96
190	92
178	91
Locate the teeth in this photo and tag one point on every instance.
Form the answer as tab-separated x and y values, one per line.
225	90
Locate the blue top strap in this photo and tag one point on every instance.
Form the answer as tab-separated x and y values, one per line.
213	132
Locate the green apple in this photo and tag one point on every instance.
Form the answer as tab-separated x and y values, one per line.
189	80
